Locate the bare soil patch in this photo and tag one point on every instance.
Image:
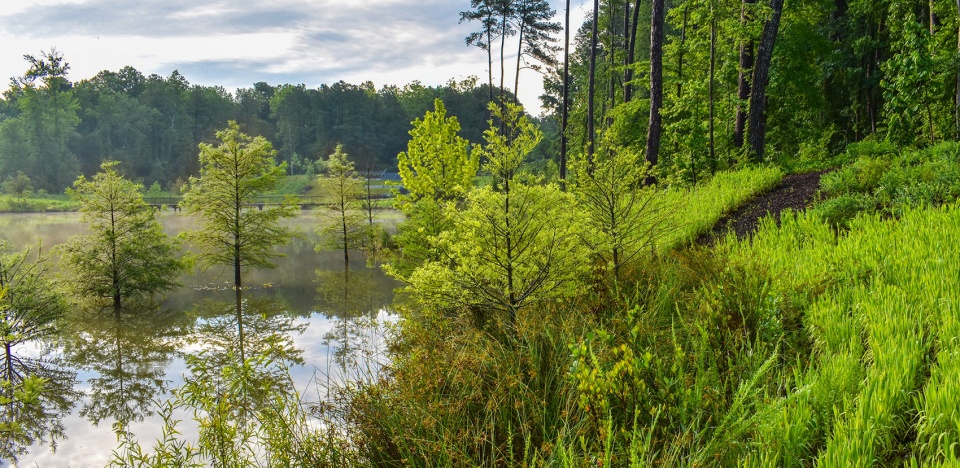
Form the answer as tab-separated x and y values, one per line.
795	192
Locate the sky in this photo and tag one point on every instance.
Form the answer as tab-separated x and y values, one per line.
235	43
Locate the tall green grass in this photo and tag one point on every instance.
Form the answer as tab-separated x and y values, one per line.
881	385
695	210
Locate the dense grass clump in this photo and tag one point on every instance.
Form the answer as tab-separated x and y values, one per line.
881	178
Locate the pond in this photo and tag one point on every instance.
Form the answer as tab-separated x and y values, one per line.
323	312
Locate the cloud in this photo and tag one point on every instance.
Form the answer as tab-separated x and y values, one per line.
235	43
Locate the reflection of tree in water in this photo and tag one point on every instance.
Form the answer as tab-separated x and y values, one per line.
226	334
128	350
36	390
355	297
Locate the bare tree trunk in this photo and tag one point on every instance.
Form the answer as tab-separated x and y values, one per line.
565	112
710	90
683	38
503	43
490	57
516	79
743	85
611	63
656	86
626	43
591	135
628	87
240	335
933	18
761	76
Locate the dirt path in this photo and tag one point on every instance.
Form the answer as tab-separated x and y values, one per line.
795	192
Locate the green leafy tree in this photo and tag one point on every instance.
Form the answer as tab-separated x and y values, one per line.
232	231
624	218
126	253
344	227
437	163
510	247
906	87
18	185
37	140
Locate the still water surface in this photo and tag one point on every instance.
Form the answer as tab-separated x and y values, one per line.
125	364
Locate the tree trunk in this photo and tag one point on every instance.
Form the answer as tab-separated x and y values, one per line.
656	86
512	298
490	56
565	111
591	136
343	227
114	267
761	76
516	79
628	87
743	85
710	90
239	312
503	43
683	38
933	18
626	43
611	64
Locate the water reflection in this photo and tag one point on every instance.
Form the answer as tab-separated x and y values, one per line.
352	298
127	351
227	333
143	355
36	388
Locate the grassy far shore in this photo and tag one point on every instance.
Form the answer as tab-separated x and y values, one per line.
299	185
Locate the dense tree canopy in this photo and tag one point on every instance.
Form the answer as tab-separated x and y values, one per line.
52	129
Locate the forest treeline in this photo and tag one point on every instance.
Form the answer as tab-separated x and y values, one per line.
52	129
730	81
739	80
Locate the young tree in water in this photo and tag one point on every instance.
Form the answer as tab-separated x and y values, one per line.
126	253
345	227
233	230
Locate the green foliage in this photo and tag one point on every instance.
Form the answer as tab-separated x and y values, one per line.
126	254
625	218
508	145
344	224
425	220
154	190
509	248
38	203
906	82
504	254
437	163
231	231
36	141
18	185
885	180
